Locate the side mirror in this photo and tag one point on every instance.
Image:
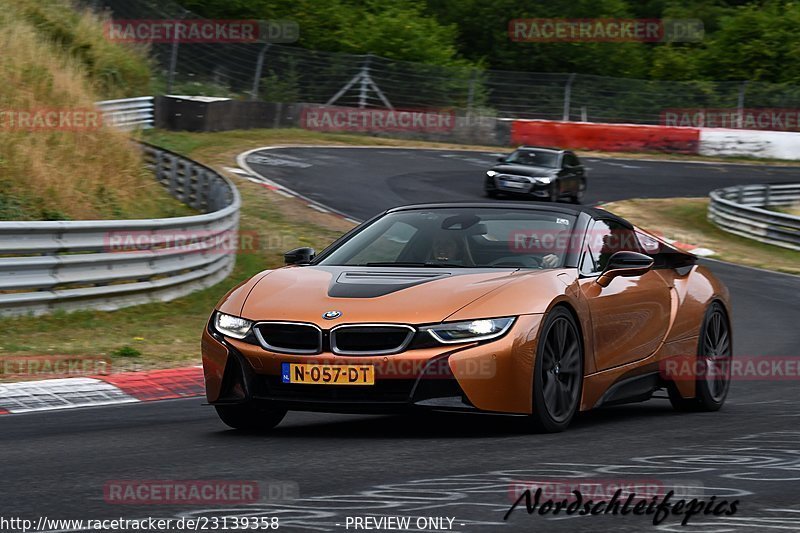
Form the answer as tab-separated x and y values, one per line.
625	264
299	256
502	159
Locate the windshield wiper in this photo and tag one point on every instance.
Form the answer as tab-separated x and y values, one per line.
413	264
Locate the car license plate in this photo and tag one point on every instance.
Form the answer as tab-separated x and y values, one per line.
513	184
315	374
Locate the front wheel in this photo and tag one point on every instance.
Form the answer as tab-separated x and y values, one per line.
554	193
713	365
251	416
557	373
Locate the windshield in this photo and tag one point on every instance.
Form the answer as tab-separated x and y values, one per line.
537	158
456	237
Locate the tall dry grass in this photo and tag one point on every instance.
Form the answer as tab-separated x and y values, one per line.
80	174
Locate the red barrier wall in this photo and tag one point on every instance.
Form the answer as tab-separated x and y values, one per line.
606	137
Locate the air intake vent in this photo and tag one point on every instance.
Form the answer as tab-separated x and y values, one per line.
374	339
289	337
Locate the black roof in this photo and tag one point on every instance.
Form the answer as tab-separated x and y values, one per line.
557	207
548	148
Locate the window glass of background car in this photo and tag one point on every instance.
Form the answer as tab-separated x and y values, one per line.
537	158
605	238
571	160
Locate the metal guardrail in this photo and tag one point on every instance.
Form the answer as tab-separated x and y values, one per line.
739	210
109	264
129	113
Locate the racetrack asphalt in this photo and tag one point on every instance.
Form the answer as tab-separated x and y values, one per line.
57	463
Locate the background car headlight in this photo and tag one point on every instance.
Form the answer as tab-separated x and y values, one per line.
543	181
491	173
470	330
232	326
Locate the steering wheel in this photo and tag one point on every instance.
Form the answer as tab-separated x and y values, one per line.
517	261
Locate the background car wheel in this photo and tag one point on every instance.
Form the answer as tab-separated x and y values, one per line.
581	192
554	195
713	365
250	416
558	373
492	194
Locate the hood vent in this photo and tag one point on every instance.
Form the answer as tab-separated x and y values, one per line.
364	284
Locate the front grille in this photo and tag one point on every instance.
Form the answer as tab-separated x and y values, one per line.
289	337
508	182
370	339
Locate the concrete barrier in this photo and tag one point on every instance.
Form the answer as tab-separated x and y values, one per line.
607	137
215	114
750	143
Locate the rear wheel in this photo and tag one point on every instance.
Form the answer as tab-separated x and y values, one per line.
558	373
577	197
251	416
713	365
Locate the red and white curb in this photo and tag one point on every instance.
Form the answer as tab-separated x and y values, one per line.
125	387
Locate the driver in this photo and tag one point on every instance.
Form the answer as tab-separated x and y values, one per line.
446	249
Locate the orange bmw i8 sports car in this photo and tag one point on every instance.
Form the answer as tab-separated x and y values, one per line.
523	309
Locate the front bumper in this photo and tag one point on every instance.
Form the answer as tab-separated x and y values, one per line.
525	186
495	376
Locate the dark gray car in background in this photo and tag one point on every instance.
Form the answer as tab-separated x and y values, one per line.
534	172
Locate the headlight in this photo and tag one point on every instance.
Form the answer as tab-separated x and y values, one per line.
232	326
491	173
543	181
470	330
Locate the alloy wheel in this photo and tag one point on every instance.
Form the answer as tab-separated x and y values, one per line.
561	369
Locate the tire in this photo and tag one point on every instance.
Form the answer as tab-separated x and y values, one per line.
577	198
554	196
250	416
714	352
492	194
558	363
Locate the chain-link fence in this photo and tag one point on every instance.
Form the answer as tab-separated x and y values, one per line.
288	73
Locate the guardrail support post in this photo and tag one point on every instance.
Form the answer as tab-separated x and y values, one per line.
258	74
740	105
